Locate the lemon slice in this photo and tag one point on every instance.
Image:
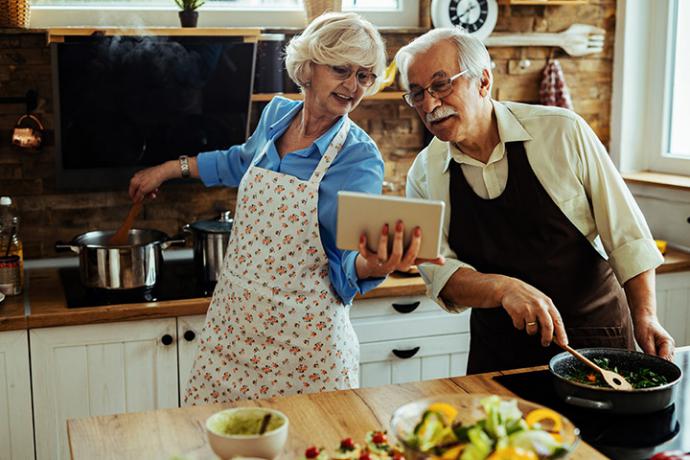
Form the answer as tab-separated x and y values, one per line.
446	410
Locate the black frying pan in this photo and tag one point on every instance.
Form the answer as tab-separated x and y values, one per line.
639	401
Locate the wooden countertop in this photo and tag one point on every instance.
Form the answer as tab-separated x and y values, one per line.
12	314
48	308
321	419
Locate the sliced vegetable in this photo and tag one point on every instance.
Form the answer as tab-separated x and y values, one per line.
537	416
513	453
446	410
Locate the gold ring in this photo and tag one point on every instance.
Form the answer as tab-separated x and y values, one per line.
531	323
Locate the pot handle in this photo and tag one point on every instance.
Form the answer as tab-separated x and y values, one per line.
174	240
64	247
589	403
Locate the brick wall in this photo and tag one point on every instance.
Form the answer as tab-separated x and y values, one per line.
49	214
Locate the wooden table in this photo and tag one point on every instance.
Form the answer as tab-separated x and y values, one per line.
321	419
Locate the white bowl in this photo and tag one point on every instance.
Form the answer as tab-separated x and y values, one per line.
226	446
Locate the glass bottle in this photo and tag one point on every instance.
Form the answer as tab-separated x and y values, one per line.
11	249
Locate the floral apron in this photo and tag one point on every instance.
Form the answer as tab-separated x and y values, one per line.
275	326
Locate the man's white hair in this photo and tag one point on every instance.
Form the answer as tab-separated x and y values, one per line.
472	54
336	39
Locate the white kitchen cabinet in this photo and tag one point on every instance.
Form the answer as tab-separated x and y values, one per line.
409	339
188	330
16	429
673	305
81	371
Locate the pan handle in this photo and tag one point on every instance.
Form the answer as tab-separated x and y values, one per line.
588	403
174	240
61	246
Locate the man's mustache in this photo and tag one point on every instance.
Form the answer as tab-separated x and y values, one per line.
439	113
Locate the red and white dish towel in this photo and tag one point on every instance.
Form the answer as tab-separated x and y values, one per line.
553	90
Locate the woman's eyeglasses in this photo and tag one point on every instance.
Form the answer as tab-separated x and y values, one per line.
438	89
365	78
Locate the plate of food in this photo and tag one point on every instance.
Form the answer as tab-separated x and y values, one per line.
468	426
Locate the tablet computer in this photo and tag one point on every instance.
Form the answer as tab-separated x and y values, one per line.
367	213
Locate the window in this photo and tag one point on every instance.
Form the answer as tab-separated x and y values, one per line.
679	135
651	89
215	13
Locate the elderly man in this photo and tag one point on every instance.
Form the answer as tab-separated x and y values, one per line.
540	231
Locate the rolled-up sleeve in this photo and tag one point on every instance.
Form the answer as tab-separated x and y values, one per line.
619	221
435	276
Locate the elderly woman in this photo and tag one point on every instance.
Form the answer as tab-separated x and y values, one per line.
279	322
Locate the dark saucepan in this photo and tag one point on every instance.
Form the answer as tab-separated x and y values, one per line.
638	401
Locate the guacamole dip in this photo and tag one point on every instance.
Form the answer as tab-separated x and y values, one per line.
243	422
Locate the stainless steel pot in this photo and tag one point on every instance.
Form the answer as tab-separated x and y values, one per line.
638	401
130	266
210	242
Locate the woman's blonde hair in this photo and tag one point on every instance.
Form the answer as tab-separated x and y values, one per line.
336	39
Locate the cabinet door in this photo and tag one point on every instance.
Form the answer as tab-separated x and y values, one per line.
412	360
673	305
188	330
16	429
81	371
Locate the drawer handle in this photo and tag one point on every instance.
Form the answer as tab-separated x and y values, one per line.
189	335
167	339
406	354
406	307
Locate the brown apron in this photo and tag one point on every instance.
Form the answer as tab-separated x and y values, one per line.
523	234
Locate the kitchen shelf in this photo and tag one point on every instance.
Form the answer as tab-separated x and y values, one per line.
543	2
382	96
248	34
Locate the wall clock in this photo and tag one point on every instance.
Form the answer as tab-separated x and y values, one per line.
477	17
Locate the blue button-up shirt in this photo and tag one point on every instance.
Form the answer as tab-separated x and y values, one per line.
358	167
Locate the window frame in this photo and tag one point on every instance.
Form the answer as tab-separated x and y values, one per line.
209	16
642	88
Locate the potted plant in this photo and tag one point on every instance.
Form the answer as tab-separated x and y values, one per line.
189	16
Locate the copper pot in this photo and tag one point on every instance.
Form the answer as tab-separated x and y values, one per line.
28	132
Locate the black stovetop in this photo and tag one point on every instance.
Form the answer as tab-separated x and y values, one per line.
176	280
625	437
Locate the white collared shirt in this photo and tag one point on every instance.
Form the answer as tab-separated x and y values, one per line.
573	167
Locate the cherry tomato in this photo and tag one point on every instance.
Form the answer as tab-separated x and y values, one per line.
365	456
347	444
671	455
378	438
312	452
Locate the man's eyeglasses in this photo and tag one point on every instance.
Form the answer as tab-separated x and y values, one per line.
438	89
365	78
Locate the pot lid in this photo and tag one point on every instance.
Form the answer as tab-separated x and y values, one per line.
221	225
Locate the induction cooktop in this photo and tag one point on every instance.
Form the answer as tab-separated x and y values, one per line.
624	437
176	280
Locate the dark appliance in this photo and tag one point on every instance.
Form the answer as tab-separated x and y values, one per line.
270	64
619	436
176	280
123	103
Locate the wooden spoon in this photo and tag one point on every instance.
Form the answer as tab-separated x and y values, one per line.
121	237
264	423
616	381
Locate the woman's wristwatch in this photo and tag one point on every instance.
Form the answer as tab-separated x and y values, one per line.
184	166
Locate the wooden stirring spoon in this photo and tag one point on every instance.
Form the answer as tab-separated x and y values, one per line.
121	237
616	381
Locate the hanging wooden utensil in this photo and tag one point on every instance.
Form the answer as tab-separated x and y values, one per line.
121	237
